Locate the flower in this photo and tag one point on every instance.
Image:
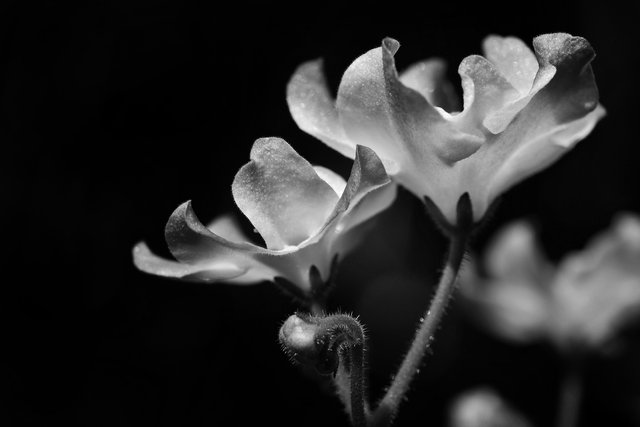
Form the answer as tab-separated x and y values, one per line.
303	213
579	304
521	111
484	408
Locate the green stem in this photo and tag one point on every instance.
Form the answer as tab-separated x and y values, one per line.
386	410
570	397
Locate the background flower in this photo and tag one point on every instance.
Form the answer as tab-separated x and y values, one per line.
579	304
304	214
484	408
522	110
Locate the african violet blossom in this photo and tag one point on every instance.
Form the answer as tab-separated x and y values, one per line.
303	213
581	303
521	111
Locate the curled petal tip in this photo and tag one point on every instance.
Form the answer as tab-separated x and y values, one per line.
391	44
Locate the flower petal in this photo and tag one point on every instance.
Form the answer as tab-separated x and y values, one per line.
561	113
429	79
378	111
333	179
282	195
313	107
192	243
369	190
486	91
227	227
484	408
514	255
537	154
598	289
513	58
146	261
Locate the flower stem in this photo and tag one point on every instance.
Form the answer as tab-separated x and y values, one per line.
358	417
386	410
570	397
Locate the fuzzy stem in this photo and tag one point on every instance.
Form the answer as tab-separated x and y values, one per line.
358	417
386	410
570	397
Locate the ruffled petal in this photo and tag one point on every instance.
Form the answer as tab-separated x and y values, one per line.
486	91
282	195
313	107
561	113
378	111
429	79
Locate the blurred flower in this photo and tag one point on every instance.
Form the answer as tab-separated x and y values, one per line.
521	111
303	213
579	304
484	408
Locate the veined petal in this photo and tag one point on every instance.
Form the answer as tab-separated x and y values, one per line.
282	195
428	78
313	107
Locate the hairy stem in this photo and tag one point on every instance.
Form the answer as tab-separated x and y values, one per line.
386	410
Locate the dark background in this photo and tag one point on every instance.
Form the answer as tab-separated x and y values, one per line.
114	113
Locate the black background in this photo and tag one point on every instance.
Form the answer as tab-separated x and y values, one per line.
114	113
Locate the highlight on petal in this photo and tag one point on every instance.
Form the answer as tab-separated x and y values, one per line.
313	108
333	179
282	195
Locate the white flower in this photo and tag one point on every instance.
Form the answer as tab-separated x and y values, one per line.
305	215
521	111
579	304
484	408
